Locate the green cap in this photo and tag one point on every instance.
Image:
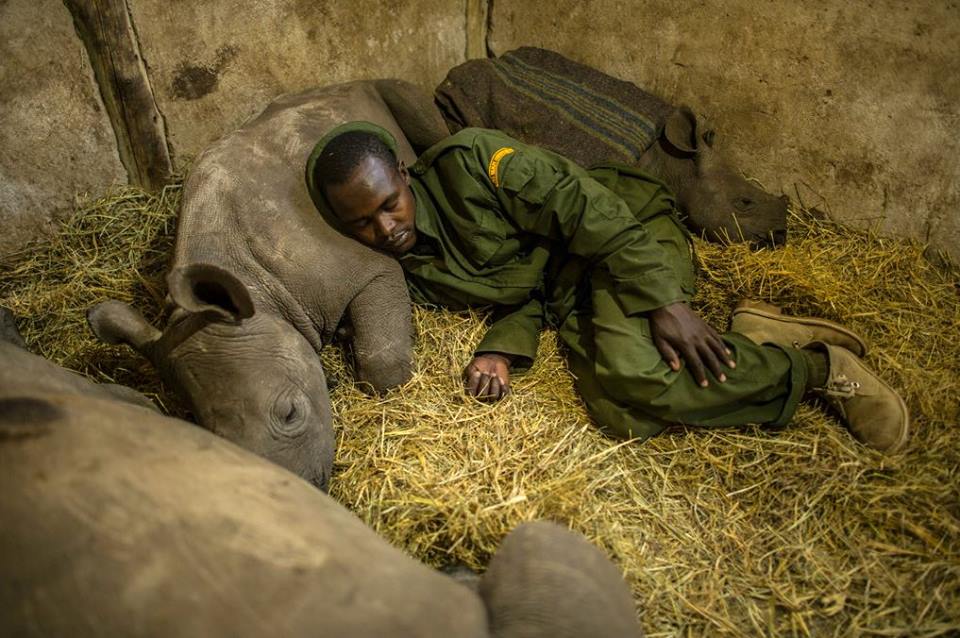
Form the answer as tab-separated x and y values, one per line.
315	193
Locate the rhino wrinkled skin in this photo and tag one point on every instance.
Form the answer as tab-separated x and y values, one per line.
260	283
118	521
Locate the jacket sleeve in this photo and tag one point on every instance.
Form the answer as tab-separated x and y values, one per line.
545	194
515	331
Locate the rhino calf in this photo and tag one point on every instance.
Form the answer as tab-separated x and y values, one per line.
118	521
259	283
541	97
23	371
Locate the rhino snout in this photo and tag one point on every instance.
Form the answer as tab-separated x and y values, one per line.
774	239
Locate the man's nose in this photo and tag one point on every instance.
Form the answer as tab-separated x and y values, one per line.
384	226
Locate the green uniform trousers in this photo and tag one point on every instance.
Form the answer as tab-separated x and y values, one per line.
631	392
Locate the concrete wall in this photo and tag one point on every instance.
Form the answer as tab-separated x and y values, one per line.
55	137
210	66
854	107
851	106
215	64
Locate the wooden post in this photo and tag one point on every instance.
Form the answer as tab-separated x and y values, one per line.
476	28
106	30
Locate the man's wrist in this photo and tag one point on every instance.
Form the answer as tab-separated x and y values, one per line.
507	358
667	306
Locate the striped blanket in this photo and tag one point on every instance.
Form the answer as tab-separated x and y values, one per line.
541	97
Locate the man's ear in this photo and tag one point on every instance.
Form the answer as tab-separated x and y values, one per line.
210	290
115	322
404	173
680	130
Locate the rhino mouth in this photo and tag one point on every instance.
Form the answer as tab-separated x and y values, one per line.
772	240
321	481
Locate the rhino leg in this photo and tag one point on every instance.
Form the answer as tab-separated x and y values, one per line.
382	338
547	581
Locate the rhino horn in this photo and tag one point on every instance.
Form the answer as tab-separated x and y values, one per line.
210	290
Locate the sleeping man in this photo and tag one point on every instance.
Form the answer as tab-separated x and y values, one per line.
482	219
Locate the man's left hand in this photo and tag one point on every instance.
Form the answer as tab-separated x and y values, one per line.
680	332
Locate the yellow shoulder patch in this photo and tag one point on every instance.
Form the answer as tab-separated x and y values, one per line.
495	164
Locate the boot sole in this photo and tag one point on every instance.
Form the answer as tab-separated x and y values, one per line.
905	433
805	321
902	440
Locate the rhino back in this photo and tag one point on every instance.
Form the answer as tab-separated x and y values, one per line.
119	522
246	208
22	372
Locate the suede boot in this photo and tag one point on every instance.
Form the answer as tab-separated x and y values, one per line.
873	411
765	323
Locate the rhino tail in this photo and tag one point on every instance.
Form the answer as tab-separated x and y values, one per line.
413	109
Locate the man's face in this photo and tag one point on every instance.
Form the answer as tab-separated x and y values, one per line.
376	206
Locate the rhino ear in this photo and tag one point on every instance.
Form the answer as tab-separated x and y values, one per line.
8	329
210	290
115	322
680	130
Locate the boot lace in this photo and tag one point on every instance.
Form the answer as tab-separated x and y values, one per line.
842	386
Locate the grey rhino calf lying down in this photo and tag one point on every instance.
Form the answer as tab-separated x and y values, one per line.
118	521
259	283
544	98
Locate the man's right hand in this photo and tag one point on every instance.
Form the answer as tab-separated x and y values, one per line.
487	377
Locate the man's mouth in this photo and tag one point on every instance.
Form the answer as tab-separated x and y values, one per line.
399	239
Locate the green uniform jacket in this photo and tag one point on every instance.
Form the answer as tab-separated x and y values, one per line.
513	226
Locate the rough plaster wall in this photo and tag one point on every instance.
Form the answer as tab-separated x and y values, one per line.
215	64
852	106
55	138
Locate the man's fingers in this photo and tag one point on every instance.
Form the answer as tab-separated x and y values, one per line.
487	377
668	353
484	388
708	356
692	358
722	352
721	349
484	385
473	381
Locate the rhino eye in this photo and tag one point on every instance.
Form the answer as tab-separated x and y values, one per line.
290	415
709	137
